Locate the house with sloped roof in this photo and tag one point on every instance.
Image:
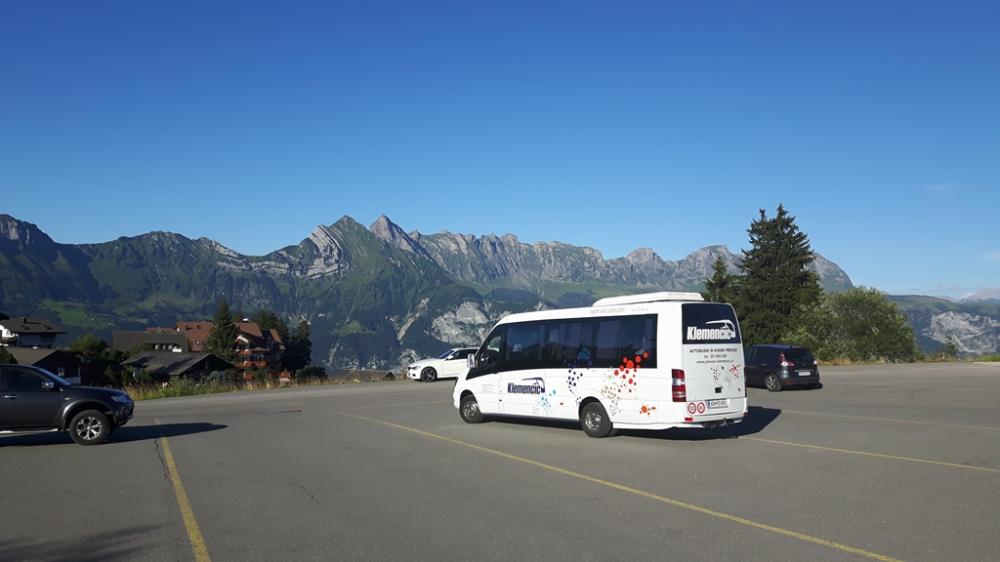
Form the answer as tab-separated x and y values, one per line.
29	332
61	362
128	341
166	365
256	348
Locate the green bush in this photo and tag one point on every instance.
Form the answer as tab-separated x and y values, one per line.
311	372
859	325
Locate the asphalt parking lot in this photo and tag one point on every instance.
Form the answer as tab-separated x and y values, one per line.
885	462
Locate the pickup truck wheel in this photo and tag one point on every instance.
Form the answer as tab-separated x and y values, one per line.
89	427
428	375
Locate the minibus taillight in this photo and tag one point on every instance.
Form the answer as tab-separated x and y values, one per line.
677	385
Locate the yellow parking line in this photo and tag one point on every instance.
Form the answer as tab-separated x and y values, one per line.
190	523
893	420
868	454
638	492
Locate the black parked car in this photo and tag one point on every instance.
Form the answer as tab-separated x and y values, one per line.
776	366
33	399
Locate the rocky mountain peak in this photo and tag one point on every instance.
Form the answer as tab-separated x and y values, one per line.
323	237
384	228
25	233
642	255
389	232
983	295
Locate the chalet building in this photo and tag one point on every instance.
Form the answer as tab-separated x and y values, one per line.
254	347
165	365
28	332
63	363
154	339
257	348
196	334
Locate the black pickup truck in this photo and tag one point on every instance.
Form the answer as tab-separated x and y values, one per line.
33	399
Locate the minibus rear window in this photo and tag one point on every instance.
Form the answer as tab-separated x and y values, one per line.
709	323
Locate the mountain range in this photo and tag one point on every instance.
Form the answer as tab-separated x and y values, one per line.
376	296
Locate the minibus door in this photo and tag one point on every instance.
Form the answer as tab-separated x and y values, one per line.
522	383
484	379
523	393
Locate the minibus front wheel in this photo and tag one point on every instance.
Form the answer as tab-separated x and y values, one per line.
468	408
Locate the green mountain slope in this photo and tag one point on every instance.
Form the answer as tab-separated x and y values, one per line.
375	297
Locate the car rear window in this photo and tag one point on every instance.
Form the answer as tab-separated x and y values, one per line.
799	355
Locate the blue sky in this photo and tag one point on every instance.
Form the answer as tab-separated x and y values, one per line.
611	124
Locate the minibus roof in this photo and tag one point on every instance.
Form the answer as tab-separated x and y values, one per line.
650	297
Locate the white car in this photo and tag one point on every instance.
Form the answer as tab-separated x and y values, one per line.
449	365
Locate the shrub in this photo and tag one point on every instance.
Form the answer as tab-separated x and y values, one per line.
310	373
858	325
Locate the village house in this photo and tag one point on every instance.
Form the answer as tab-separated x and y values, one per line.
255	348
153	339
165	365
28	332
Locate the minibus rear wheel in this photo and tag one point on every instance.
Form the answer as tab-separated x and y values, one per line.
594	420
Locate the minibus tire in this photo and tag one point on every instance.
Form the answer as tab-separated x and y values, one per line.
594	420
468	408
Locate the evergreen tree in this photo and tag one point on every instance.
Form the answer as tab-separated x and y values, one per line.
89	348
298	349
722	286
98	359
268	320
222	339
6	357
776	285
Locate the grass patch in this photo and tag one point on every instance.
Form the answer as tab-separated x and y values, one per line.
73	314
184	387
351	328
993	358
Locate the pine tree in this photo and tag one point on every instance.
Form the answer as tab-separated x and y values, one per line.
722	286
776	285
222	339
268	320
298	349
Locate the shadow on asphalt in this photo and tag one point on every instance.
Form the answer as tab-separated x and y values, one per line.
125	434
121	544
756	420
819	386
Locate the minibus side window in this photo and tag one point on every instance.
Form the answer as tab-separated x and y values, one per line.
523	349
570	343
625	338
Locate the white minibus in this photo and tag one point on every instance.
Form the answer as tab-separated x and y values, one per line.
652	361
